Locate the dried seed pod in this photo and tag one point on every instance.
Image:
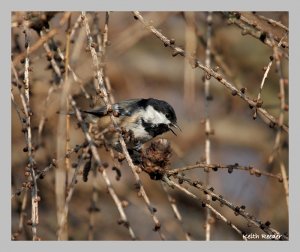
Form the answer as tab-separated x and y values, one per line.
125	203
86	170
243	90
157	227
257	173
234	92
259	103
172	41
118	172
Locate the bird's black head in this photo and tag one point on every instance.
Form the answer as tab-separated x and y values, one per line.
158	116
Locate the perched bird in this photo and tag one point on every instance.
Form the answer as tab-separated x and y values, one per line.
143	118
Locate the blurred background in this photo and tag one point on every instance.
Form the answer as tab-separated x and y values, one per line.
138	65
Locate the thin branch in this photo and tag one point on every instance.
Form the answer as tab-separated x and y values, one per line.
18	110
268	118
101	90
58	73
238	210
219	61
230	168
285	182
93	207
41	41
22	217
50	57
176	212
41	174
273	22
64	103
248	27
75	27
189	78
61	171
43	119
70	191
248	20
208	205
31	162
53	88
38	175
23	100
267	69
107	181
123	42
208	130
283	107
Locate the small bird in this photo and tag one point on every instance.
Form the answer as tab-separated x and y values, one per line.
143	118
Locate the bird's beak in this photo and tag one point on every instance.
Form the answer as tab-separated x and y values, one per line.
175	126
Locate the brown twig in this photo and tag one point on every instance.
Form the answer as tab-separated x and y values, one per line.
123	42
20	112
176	212
44	117
267	69
238	210
259	100
266	116
101	90
70	190
75	27
39	175
248	20
93	207
53	88
31	162
97	159
57	71
22	217
283	106
65	168
189	78
251	28
273	22
50	56
230	168
208	205
61	171
41	41
208	130
219	61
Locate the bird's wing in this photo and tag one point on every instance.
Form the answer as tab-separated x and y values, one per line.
124	108
98	112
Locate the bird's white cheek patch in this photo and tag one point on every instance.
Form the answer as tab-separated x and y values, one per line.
155	117
140	133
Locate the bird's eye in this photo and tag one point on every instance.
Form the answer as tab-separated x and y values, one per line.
168	116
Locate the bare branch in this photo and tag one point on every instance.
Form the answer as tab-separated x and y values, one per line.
107	181
101	90
31	162
208	130
230	168
238	210
268	118
175	209
217	213
41	41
